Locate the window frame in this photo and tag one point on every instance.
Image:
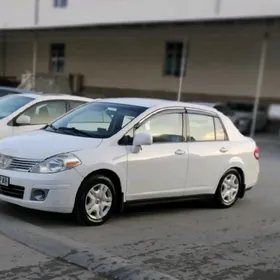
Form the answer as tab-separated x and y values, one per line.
178	110
13	122
166	73
208	114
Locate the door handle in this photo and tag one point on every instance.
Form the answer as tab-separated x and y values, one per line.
179	152
223	150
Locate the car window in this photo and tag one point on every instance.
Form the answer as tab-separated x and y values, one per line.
127	120
75	104
220	132
201	127
45	112
164	128
11	103
97	119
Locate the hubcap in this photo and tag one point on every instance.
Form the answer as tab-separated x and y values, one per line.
98	201
230	188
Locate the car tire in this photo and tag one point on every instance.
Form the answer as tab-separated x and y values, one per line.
95	201
228	189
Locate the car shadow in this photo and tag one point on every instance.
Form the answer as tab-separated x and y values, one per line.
46	219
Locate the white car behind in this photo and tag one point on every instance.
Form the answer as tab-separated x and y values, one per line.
25	112
114	152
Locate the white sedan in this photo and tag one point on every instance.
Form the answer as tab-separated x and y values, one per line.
25	112
114	152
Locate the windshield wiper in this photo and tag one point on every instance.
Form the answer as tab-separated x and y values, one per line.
52	127
49	125
73	130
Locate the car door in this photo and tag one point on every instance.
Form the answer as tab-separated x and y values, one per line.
40	114
159	170
209	152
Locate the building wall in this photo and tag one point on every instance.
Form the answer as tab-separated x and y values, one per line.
18	14
125	11
223	60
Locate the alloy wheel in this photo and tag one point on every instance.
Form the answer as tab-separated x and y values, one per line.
230	188
98	201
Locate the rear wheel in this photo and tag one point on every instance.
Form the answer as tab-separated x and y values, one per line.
95	201
228	189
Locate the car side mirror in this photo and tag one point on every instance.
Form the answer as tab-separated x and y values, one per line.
23	120
141	139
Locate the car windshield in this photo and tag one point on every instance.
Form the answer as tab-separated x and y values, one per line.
96	120
11	103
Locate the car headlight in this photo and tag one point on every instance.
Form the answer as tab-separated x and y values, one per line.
4	161
57	164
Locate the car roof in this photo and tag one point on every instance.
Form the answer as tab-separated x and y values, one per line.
50	96
18	90
151	102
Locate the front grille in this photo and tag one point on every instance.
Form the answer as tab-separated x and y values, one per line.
12	191
25	165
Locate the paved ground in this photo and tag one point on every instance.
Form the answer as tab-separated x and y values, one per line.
192	241
17	262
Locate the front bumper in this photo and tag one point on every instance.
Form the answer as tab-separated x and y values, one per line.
62	188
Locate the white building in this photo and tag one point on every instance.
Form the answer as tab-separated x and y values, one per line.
135	47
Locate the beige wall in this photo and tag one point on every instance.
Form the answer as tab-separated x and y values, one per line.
19	14
223	59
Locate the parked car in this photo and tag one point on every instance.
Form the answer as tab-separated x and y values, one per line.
243	124
114	152
25	112
244	112
274	112
11	90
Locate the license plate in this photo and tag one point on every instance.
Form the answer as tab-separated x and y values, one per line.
4	181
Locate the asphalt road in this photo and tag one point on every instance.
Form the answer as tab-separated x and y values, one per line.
18	262
192	240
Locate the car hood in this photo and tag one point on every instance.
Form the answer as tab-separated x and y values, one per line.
41	144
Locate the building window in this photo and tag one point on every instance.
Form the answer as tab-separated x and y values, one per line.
60	3
173	59
57	58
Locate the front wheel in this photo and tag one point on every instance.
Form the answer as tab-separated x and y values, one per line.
95	201
228	189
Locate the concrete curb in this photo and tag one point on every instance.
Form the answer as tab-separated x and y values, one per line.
76	253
